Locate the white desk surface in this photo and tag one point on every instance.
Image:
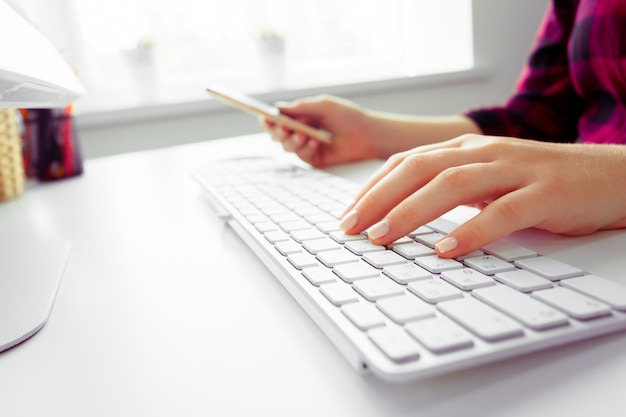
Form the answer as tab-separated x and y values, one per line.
164	312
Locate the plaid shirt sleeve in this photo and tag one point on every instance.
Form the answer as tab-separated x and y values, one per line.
545	105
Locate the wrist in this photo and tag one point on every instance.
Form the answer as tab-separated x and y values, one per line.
382	134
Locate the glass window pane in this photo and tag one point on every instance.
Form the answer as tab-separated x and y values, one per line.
187	43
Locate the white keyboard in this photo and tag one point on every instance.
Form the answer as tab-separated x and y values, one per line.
400	311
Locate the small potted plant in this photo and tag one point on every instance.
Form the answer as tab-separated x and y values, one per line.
272	57
143	68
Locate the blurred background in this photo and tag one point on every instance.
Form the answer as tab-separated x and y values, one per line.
145	63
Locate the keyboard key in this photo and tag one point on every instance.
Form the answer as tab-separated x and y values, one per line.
294	225
295	204
467	279
434	290
376	288
274	210
354	271
422	230
405	273
361	247
383	259
601	288
333	208
328	227
257	218
401	241
509	251
442	225
473	254
437	265
288	247
339	293
405	308
302	260
528	310
337	257
489	264
440	335
276	236
319	275
284	217
573	303
249	210
413	250
268	206
316	246
320	200
481	319
523	280
322	219
341	237
363	315
337	213
307	211
265	226
306	234
430	239
395	343
549	268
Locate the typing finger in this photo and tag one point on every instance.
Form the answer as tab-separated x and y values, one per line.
402	179
395	160
511	212
459	185
389	165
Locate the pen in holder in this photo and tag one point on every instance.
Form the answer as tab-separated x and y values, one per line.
51	148
11	166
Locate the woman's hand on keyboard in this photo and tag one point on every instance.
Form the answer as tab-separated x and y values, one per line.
518	183
347	123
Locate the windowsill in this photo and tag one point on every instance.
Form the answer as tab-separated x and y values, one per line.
91	115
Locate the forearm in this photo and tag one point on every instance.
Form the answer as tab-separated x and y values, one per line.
397	133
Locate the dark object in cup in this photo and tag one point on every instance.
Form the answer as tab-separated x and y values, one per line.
51	147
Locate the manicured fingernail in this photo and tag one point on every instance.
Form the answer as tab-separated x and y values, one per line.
280	132
349	221
298	139
379	230
446	244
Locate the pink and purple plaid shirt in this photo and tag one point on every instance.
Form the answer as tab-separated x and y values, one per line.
573	87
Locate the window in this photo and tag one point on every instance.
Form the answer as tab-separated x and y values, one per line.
164	50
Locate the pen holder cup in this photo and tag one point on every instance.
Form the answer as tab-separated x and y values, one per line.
50	144
11	163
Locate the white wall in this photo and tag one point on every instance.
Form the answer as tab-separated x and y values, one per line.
504	31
